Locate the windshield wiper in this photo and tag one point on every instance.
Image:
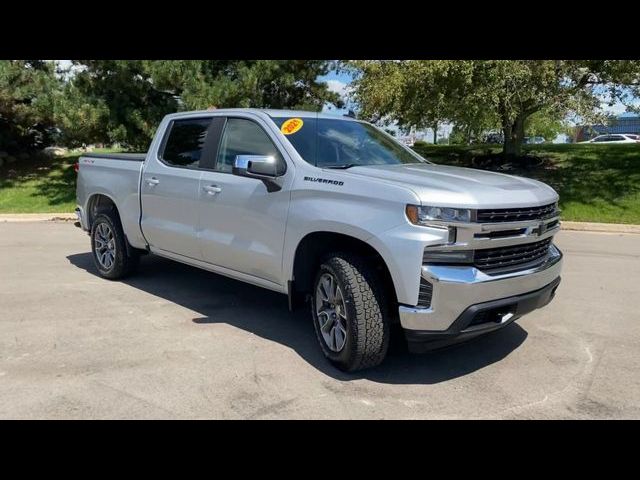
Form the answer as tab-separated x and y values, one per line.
343	167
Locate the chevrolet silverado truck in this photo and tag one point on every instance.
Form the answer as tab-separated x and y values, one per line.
332	211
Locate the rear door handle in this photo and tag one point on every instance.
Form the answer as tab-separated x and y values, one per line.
212	189
152	182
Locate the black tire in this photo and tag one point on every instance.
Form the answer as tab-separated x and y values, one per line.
367	329
125	258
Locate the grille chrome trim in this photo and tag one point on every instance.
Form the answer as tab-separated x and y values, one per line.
499	215
492	260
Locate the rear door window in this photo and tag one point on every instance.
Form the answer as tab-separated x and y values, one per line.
185	142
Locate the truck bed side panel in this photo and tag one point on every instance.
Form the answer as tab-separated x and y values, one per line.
118	179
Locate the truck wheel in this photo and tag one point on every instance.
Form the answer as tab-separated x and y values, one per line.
109	247
347	307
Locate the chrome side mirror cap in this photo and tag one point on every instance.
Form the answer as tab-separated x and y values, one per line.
262	167
255	165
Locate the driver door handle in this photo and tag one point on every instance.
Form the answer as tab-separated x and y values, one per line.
212	189
152	182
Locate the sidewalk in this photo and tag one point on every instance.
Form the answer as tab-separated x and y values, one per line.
578	226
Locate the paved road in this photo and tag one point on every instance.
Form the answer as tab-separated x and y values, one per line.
177	342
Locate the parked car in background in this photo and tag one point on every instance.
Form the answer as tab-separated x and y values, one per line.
497	138
617	138
534	140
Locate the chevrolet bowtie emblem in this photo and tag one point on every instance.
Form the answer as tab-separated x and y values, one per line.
542	227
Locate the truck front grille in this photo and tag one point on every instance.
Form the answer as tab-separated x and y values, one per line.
517	214
493	260
426	291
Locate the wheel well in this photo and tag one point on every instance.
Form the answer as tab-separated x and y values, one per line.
313	247
99	204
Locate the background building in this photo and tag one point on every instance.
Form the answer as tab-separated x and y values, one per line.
626	123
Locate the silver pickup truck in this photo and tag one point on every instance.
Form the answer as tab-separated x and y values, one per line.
332	211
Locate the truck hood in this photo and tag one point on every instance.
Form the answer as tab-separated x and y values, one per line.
462	187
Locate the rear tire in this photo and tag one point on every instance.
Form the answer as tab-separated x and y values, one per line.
112	256
348	309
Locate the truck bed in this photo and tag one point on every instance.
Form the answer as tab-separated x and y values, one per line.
116	176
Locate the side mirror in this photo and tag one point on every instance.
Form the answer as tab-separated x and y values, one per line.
255	166
261	167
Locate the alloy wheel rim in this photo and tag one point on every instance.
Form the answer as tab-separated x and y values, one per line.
105	244
331	313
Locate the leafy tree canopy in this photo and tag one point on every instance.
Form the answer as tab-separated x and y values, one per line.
505	93
27	90
123	100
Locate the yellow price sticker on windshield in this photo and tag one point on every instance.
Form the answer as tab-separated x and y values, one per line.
291	126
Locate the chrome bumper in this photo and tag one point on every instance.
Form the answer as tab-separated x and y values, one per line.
457	288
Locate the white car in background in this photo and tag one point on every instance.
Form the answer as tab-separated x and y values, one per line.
617	138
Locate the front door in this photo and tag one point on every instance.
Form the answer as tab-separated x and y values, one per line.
242	225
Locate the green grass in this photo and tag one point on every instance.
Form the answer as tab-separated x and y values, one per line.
39	185
596	183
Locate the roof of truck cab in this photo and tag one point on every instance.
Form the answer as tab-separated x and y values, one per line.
269	111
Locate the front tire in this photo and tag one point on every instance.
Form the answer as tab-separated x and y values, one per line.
109	246
348	313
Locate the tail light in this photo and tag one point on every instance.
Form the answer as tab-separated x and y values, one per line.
76	167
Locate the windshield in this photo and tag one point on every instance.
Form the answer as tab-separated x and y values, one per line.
336	143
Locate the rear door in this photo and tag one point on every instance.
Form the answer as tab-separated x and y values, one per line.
170	186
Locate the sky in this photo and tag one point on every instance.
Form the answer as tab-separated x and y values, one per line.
339	83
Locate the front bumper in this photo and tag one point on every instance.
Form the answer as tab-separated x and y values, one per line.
457	288
494	315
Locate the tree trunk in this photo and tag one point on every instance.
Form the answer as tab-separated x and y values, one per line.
435	133
513	138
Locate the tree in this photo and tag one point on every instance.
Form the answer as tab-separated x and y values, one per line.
132	96
544	124
388	90
27	91
246	83
80	119
119	99
502	92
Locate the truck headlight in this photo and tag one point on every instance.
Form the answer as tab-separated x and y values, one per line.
421	215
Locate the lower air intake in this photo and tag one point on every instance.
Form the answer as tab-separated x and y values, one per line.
426	292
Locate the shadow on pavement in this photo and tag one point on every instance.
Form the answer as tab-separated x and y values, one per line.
264	313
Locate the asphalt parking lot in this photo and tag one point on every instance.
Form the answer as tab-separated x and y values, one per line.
178	342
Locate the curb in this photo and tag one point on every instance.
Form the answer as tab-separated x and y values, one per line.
565	225
36	217
600	227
